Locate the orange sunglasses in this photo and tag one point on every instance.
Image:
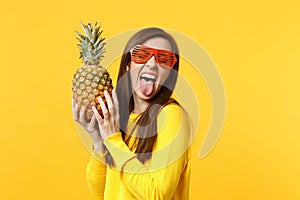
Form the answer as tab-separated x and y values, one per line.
141	54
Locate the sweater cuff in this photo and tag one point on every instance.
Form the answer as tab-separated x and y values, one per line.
97	157
97	161
118	149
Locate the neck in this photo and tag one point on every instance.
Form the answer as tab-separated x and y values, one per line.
140	105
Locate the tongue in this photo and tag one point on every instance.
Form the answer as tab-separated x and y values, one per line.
147	87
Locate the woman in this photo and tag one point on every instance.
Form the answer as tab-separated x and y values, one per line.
141	145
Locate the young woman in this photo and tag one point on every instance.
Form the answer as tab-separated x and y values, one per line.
141	144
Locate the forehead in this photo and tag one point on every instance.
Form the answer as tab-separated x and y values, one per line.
158	43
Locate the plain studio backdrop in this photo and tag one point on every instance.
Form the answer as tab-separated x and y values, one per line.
254	44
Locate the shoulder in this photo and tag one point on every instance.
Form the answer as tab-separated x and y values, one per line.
172	108
172	122
171	114
173	130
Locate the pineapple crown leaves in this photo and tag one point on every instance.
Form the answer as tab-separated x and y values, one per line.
91	44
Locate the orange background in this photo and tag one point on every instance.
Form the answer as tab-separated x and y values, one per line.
255	45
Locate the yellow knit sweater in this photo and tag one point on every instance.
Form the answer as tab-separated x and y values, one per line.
165	176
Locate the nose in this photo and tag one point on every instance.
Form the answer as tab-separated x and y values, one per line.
151	63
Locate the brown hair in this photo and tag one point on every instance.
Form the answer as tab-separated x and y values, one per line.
146	125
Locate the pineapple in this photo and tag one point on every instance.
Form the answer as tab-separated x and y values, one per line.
90	80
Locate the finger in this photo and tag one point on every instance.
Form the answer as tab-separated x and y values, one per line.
82	116
91	126
75	112
92	122
110	104
103	108
115	101
97	116
116	104
99	119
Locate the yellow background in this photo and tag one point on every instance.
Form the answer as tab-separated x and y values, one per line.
255	45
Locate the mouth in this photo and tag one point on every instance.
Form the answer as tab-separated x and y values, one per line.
148	77
147	83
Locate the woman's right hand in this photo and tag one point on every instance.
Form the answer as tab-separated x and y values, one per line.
91	127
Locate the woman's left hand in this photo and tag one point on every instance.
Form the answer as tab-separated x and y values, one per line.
110	123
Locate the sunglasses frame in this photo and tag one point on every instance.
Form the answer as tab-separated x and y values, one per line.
154	52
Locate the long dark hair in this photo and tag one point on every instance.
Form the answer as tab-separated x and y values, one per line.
146	125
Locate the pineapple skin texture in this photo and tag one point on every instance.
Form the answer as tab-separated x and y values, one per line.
89	82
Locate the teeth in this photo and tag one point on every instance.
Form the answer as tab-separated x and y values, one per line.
150	76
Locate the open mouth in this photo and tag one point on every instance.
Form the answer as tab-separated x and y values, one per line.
147	83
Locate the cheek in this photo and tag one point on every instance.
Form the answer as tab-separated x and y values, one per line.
134	72
164	75
134	66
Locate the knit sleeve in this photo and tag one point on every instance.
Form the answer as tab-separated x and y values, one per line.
96	175
170	157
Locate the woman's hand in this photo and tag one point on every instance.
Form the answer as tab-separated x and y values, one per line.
91	127
110	123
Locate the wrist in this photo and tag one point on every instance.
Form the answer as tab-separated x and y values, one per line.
98	147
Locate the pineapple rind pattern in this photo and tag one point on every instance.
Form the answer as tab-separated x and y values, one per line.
90	80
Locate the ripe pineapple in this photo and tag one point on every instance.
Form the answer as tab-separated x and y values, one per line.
91	79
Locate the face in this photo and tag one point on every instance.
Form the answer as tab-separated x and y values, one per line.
147	78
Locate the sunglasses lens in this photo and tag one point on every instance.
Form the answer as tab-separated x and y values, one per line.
166	58
141	54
